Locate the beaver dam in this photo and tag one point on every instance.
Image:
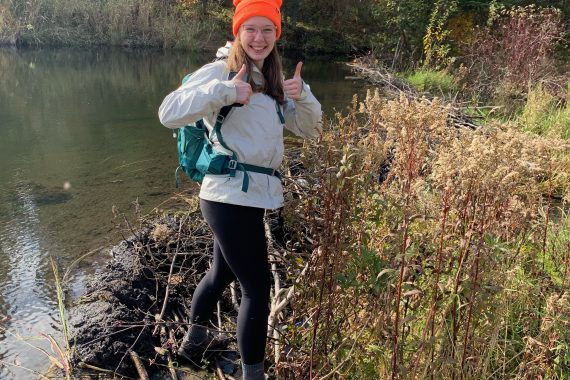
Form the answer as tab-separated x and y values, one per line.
413	243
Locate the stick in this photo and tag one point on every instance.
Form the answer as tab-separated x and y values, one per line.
40	375
234	296
143	375
171	369
281	305
89	366
159	319
276	291
219	316
348	357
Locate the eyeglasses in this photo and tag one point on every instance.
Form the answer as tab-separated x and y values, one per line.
266	31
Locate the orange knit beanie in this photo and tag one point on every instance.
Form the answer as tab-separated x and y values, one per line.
250	8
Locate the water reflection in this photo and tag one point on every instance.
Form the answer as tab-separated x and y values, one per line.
23	287
86	119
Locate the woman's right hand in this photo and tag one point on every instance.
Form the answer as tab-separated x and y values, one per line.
243	89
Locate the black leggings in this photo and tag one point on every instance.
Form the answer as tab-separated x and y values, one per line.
240	251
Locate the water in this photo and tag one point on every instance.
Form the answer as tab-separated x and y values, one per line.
79	138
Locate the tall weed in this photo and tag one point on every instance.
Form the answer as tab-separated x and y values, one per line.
429	249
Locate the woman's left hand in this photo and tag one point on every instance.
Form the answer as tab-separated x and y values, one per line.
293	87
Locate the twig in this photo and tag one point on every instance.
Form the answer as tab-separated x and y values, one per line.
117	211
23	340
168	254
219	372
349	355
131	347
290	292
68	270
95	368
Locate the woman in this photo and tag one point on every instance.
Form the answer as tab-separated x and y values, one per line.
254	132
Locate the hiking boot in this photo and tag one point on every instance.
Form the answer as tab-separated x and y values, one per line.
214	341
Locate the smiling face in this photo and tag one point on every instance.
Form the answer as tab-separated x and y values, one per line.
257	38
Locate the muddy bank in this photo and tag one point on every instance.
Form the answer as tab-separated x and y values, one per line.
124	308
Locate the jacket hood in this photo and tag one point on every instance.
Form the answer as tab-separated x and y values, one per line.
224	51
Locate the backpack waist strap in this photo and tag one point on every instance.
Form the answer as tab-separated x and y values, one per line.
233	165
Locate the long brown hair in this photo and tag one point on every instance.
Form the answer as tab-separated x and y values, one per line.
272	70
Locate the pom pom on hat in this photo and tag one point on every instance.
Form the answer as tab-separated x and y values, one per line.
246	9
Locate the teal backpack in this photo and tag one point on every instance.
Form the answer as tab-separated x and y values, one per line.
197	156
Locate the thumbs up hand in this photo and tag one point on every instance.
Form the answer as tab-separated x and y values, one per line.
293	87
243	89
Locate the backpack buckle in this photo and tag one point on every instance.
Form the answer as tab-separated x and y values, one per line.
220	119
232	164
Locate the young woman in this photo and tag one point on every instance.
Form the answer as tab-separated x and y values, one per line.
254	132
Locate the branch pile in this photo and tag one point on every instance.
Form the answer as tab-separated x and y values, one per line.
374	72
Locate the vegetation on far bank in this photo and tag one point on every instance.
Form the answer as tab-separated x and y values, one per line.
394	29
510	69
145	23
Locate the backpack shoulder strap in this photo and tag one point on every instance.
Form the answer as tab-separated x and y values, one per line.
218	126
224	112
279	112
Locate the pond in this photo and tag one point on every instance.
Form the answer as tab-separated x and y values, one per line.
81	149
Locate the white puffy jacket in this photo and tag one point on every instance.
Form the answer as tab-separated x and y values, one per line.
254	131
